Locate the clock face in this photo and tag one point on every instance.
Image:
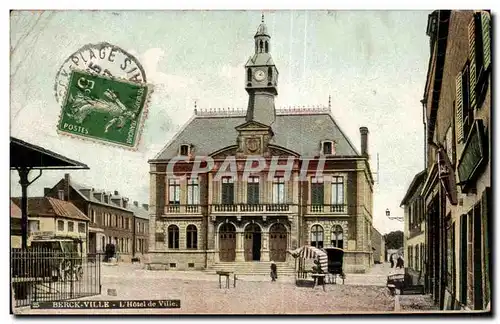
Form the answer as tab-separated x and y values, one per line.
259	75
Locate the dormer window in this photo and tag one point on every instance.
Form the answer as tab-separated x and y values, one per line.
184	150
327	148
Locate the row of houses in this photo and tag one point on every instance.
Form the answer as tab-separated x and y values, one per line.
96	217
448	205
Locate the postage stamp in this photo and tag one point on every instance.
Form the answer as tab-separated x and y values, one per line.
103	59
104	109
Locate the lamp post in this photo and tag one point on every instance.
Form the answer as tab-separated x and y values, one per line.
388	214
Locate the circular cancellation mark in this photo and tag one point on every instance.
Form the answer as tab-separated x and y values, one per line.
103	59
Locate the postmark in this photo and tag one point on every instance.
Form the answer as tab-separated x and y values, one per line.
102	59
104	109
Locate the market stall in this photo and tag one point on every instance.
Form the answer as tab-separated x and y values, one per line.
304	268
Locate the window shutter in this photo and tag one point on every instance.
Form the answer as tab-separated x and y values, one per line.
459	121
485	28
472	59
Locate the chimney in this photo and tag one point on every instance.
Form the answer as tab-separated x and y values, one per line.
136	204
67	181
124	202
46	191
364	141
116	193
145	206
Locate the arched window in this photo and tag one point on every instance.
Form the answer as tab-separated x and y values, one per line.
337	237
191	237
267	47
249	75
173	237
261	45
317	236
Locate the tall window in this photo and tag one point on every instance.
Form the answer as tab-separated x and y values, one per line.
317	236
249	75
193	191
191	237
337	237
81	227
60	225
317	191
266	44
174	192
71	227
270	74
92	216
227	197
278	190
173	237
253	190
338	194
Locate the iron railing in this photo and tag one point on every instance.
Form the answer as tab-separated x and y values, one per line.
47	275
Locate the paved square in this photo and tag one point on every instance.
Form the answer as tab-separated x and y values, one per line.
200	294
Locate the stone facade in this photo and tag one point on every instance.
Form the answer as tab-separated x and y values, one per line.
251	216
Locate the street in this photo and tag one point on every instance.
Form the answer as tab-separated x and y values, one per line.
199	293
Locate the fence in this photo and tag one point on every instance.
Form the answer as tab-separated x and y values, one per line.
48	275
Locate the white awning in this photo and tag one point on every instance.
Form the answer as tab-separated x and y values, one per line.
311	252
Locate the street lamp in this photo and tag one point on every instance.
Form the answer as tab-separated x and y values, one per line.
388	214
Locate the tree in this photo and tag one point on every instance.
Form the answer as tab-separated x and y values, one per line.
394	240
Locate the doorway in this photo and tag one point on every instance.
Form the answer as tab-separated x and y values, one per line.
253	238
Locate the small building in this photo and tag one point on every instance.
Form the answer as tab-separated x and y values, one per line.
55	217
378	246
110	220
414	231
141	229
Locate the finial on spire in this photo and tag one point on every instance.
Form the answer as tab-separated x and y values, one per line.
195	106
330	101
262	17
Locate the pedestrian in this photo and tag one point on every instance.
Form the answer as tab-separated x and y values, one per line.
391	260
400	262
274	271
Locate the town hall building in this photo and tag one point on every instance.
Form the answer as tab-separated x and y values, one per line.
243	221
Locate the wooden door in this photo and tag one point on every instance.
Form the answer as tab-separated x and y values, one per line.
277	243
227	243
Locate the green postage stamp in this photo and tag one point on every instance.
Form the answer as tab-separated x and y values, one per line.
104	109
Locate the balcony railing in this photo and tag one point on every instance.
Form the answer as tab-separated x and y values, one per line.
252	208
182	209
327	209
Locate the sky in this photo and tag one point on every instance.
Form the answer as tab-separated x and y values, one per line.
373	64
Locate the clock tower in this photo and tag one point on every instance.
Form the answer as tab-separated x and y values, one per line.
261	80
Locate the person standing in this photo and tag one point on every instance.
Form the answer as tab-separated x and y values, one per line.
274	271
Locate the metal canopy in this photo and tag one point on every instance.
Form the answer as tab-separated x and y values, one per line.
23	154
25	157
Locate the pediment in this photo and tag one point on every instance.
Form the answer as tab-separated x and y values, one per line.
252	125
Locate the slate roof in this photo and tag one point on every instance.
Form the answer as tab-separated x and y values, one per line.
301	133
416	182
47	206
260	59
139	211
81	189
